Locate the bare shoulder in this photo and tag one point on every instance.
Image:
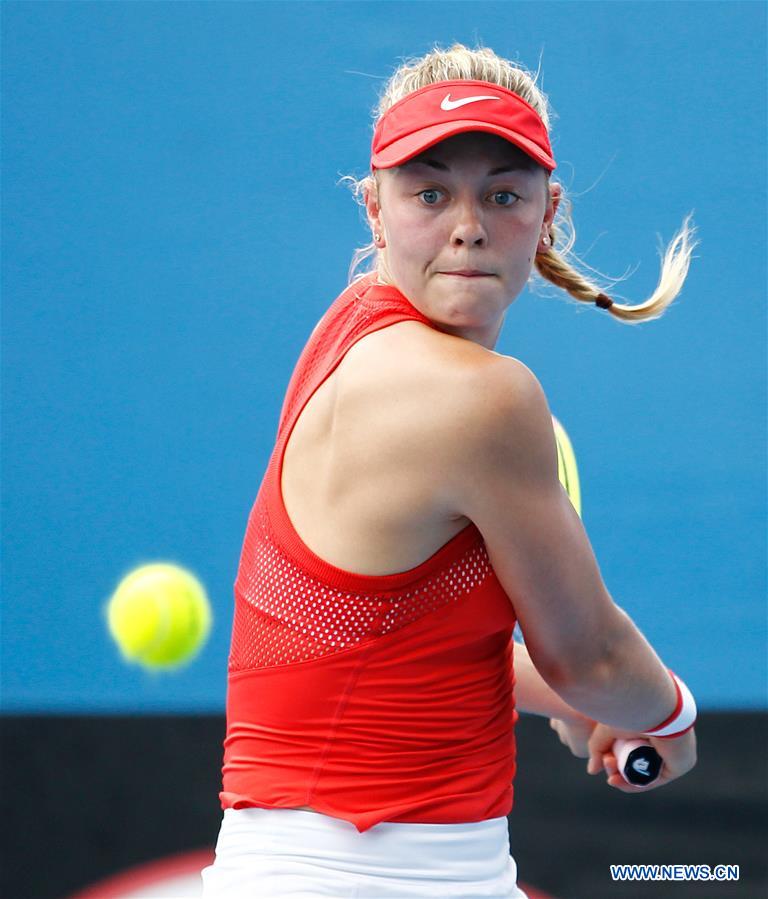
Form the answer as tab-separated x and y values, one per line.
468	384
479	378
505	428
500	386
474	414
451	411
515	417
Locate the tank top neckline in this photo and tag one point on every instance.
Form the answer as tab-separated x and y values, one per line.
373	291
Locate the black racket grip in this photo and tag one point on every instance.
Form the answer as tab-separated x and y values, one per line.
638	762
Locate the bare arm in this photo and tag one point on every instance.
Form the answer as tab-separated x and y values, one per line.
586	648
533	694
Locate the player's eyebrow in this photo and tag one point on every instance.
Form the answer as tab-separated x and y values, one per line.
441	166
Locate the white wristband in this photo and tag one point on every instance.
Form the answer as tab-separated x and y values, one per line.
684	716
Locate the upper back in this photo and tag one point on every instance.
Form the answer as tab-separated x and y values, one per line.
367	470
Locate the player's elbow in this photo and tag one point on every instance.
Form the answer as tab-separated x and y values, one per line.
585	667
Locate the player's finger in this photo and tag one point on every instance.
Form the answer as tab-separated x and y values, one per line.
595	764
601	741
610	764
553	725
618	783
597	750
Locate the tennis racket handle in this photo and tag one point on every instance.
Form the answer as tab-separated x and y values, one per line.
638	762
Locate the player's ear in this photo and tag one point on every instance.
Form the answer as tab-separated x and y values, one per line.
371	195
555	193
553	201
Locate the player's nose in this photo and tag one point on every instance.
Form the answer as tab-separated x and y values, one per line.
468	227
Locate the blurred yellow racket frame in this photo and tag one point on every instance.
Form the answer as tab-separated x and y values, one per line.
566	465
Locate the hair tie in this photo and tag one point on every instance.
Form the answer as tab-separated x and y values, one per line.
603	301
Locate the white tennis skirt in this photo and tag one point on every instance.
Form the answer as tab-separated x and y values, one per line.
295	854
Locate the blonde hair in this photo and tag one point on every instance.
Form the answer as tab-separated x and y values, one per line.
559	264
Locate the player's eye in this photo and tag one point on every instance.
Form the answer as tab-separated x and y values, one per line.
513	197
429	195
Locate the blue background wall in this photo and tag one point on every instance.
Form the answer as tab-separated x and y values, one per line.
173	229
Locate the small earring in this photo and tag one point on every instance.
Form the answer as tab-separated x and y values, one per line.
546	241
376	237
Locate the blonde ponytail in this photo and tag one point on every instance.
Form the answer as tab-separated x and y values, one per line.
555	267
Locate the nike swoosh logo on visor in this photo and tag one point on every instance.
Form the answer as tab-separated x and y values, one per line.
449	104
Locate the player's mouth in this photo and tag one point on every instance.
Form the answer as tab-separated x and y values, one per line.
468	273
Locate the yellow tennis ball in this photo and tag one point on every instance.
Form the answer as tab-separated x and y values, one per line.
566	465
159	616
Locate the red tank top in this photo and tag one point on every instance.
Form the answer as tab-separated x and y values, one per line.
367	698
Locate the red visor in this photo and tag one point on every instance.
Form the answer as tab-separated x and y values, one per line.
437	111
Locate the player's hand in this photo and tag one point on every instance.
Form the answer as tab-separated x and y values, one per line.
678	757
574	733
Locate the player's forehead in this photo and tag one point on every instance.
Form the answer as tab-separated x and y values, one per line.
474	150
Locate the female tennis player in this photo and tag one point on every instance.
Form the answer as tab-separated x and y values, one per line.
409	517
